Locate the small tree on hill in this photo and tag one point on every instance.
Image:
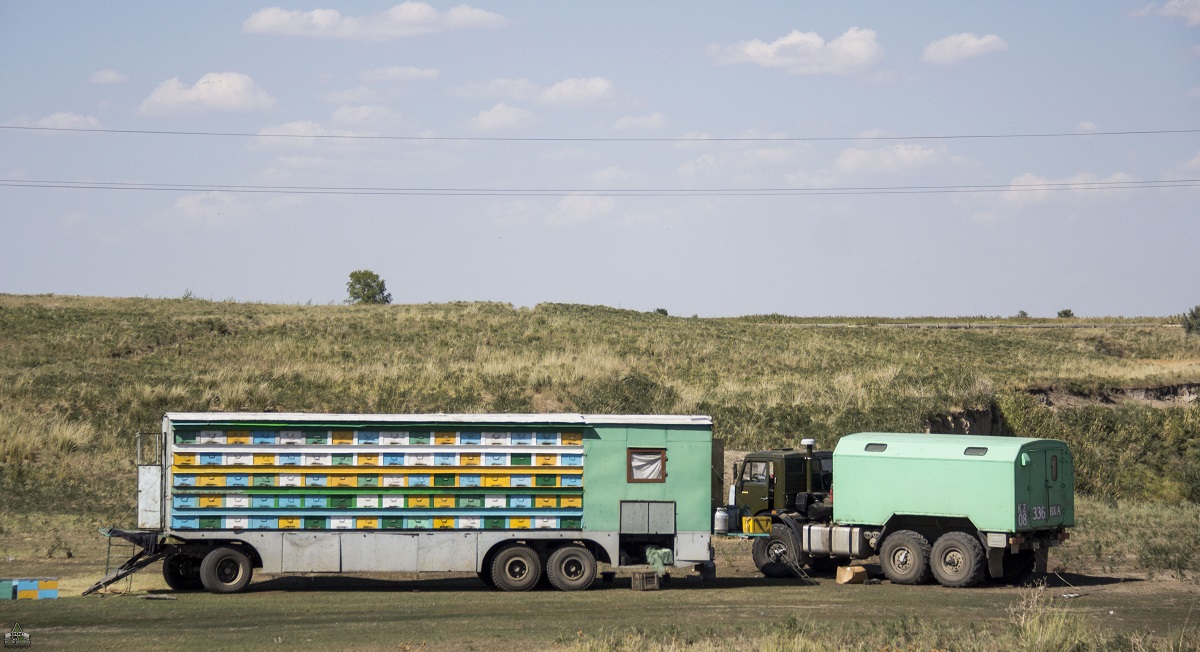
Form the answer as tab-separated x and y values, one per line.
1066	313
366	286
1190	321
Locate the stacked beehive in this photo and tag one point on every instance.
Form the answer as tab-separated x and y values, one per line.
30	588
369	479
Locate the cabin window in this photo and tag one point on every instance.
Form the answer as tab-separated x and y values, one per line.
1053	468
647	465
876	448
755	472
975	450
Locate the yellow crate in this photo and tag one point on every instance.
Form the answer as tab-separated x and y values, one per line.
27	595
756	524
495	481
571	501
368	459
342	437
418	501
366	523
237	437
289	522
445	438
342	481
518	523
261	459
443	502
547	459
572	439
469	459
210	481
446	523
211	501
185	459
545	501
47	584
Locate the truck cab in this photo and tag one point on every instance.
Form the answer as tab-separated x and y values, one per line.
782	480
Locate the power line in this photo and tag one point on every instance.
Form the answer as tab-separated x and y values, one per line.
548	139
613	192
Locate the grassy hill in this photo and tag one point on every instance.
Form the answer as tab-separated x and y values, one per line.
79	376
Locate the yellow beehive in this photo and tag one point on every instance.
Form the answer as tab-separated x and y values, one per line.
367	523
518	523
210	481
495	481
572	439
210	501
237	437
571	501
289	522
545	501
343	437
446	502
341	481
264	459
547	459
368	459
445	438
418	501
185	459
469	459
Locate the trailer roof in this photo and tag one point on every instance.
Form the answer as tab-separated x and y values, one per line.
929	446
568	419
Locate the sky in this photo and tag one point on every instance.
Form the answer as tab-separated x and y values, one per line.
709	158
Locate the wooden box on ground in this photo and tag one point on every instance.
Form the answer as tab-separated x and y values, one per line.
645	581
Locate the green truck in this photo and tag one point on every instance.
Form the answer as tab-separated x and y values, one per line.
514	498
951	507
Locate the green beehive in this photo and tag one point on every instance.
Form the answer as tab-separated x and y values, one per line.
520	459
6	590
1001	484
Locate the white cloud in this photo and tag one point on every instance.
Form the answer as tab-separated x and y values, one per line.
400	73
578	208
1188	10
216	91
509	89
630	122
568	92
960	47
891	159
403	20
1029	189
63	120
806	53
358	95
576	92
367	114
300	133
108	76
609	175
502	116
1087	126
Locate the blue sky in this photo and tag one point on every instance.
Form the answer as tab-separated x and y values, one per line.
707	158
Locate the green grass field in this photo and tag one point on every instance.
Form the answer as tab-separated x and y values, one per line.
80	376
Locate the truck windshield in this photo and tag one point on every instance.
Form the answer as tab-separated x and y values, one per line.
755	472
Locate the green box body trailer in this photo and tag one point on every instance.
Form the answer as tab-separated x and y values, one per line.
511	497
950	507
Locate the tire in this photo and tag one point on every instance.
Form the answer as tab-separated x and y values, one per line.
904	557
182	572
571	568
771	553
957	560
516	568
486	578
225	570
1019	567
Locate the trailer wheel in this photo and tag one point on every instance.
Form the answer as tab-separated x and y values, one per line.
516	568
904	557
772	554
957	560
571	568
225	570
182	572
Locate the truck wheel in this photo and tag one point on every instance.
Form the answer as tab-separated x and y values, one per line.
182	572
571	568
516	568
957	560
225	570
772	554
904	557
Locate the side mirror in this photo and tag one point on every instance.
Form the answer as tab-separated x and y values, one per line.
1025	459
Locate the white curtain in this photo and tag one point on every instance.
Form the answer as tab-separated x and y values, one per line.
647	466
